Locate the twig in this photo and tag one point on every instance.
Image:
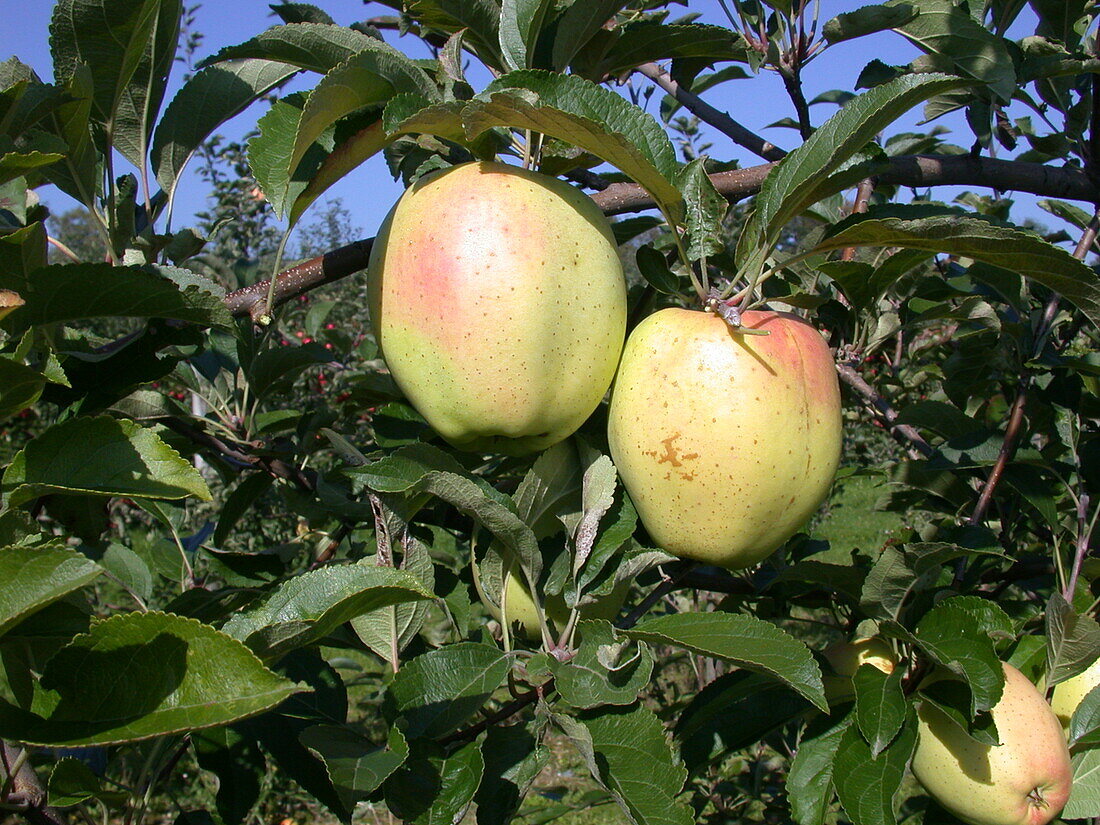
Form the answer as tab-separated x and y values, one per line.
1082	546
708	114
864	191
1008	450
904	433
792	81
27	790
656	594
64	250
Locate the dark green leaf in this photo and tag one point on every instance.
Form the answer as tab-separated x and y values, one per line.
514	756
580	22
141	675
647	41
867	786
433	789
704	210
357	767
316	47
742	640
655	270
240	766
1073	640
301	13
880	706
100	456
72	783
948	634
309	606
20	387
868	20
207	100
33	577
244	495
810	779
130	569
954	700
438	691
605	670
520	24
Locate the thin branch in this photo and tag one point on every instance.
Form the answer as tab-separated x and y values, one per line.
1008	449
670	583
864	191
792	81
708	114
904	433
27	791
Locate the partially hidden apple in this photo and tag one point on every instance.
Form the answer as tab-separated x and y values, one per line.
499	305
1023	781
727	442
1068	694
520	605
845	659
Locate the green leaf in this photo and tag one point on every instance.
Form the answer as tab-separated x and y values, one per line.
733	712
627	752
100	456
239	764
647	40
514	756
953	699
867	786
520	24
315	47
810	779
955	232
480	19
301	13
588	116
605	671
439	690
275	369
20	387
880	706
1063	20
71	292
206	101
808	174
382	629
578	24
655	270
309	606
742	640
1084	796
704	210
1073	640
947	31
244	495
36	576
433	789
141	675
868	20
130	569
1084	725
357	767
549	489
420	468
16	164
73	783
948	634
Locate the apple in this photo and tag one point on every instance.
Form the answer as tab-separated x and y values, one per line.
521	606
845	659
727	442
1023	781
1068	694
499	305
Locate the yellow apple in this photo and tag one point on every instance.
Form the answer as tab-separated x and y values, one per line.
845	659
726	442
1023	781
499	305
1068	694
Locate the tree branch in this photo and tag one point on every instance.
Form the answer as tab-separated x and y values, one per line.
27	791
708	114
904	433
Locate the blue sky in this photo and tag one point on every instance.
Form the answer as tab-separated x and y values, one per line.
369	191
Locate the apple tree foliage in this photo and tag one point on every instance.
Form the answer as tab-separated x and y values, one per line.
211	531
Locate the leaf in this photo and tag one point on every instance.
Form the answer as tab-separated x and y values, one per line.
301	13
316	47
35	577
597	496
733	712
520	24
945	30
140	675
20	387
1063	20
70	292
421	468
578	24
480	19
704	210
73	783
16	164
948	634
867	786
868	20
646	41
1084	796
514	756
880	706
803	177
549	489
953	699
357	768
130	569
381	630
604	671
742	640
309	606
100	456
1084	725
810	778
437	691
238	502
955	232
627	752
1073	640
275	369
207	100
654	268
588	116
433	789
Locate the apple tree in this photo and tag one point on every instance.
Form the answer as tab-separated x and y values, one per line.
230	542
